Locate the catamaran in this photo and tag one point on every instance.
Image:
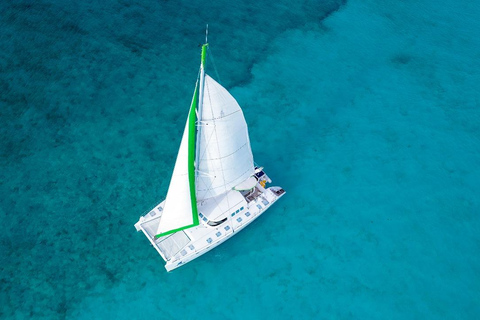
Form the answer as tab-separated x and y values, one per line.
216	189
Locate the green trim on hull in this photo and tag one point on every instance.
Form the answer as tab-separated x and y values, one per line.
191	165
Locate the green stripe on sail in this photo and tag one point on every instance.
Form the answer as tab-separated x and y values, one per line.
191	166
191	155
204	54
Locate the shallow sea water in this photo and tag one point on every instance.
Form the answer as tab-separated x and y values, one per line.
366	112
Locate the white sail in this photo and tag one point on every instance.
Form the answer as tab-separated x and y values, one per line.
178	211
224	157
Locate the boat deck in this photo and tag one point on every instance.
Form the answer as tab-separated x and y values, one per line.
183	246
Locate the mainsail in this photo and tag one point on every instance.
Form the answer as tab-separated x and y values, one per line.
180	209
224	158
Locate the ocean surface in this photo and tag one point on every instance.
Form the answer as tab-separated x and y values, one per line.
366	112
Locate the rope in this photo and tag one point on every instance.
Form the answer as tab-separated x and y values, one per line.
210	55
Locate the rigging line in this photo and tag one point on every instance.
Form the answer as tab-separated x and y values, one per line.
217	203
209	188
196	107
225	115
207	143
206	34
228	155
205	174
210	56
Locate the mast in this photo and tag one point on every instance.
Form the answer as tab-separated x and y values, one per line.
200	94
202	79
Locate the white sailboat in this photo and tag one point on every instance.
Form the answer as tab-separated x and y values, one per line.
215	190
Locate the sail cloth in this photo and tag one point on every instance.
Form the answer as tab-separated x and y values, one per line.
248	184
180	209
225	157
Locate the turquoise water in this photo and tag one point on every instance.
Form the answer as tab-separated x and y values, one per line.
366	112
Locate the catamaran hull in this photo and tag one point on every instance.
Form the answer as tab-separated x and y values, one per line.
197	241
174	265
